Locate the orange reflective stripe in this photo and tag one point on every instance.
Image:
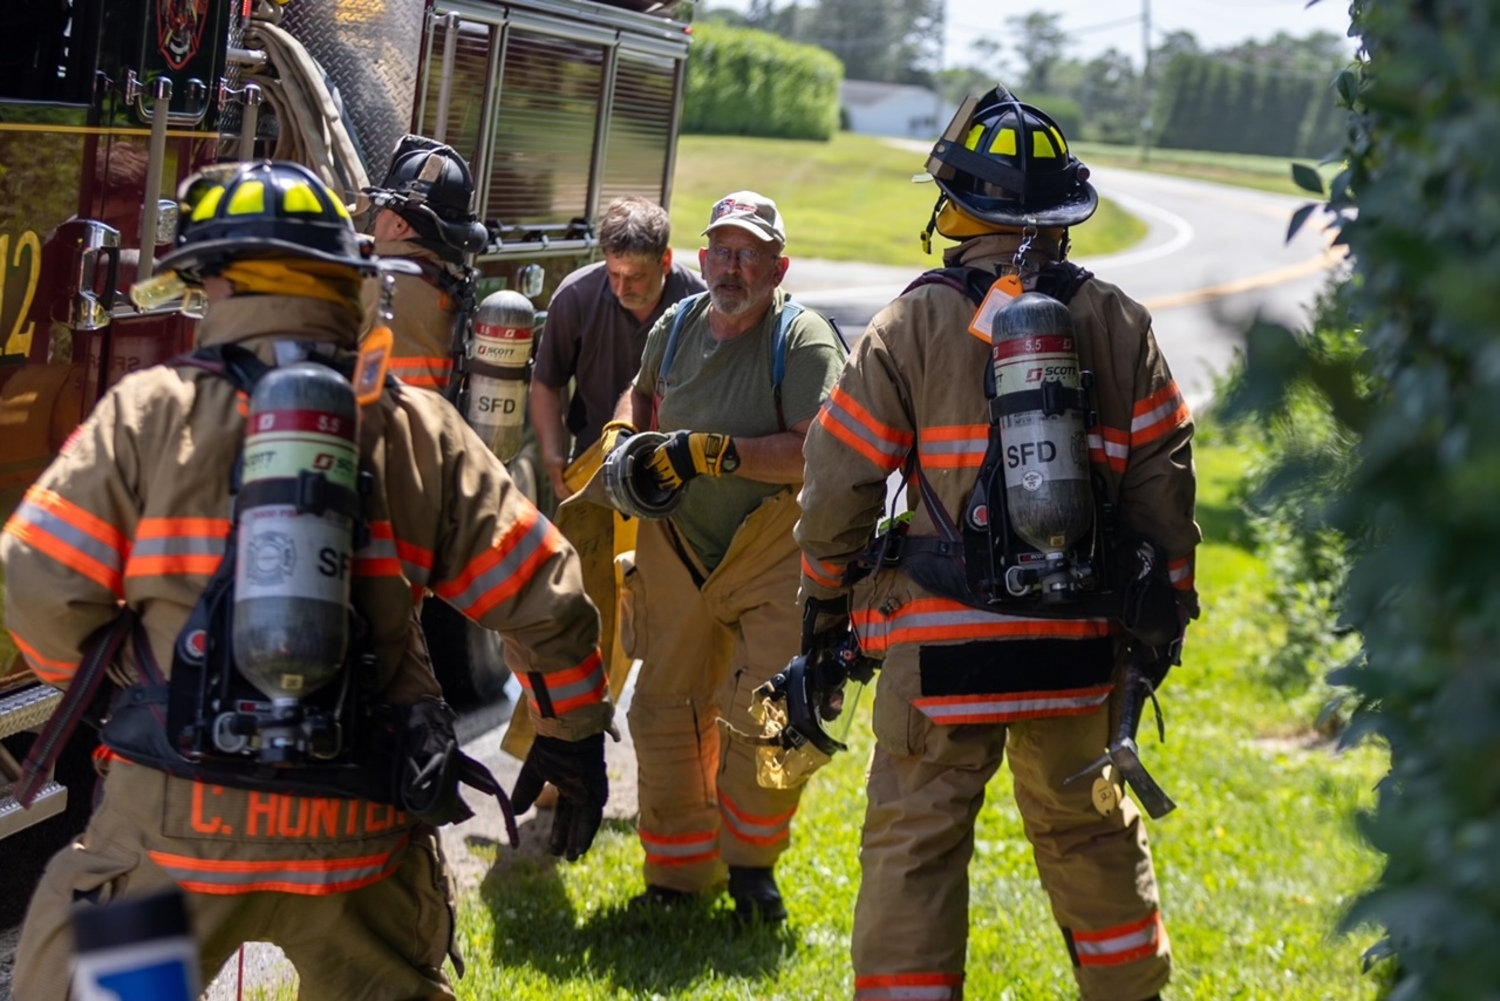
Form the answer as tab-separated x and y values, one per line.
931	620
423	371
387	556
65	532
822	573
949	710
847	420
501	572
166	546
56	673
76	516
1182	573
753	829
1158	414
909	987
1122	944
1110	446
957	446
309	877
572	688
162	528
679	849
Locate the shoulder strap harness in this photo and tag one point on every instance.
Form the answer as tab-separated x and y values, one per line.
790	310
968	559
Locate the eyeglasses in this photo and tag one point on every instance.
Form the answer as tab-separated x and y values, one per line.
747	257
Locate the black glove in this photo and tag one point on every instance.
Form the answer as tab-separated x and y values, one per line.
1153	663
428	782
1152	613
576	768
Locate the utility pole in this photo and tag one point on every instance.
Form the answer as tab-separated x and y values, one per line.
1146	123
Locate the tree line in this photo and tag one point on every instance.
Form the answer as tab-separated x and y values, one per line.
1274	97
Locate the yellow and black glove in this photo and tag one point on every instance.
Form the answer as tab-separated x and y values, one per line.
693	453
614	432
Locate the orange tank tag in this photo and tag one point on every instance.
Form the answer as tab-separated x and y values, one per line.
374	359
999	296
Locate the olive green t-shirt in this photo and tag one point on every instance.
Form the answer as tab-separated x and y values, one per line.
726	386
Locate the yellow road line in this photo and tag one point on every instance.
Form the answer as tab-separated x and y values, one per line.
1330	258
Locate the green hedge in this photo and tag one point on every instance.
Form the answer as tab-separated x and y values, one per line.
743	82
1416	205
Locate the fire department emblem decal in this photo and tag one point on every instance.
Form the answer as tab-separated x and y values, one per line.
179	29
271	557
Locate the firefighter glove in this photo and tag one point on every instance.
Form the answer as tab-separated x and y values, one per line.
687	454
576	768
614	432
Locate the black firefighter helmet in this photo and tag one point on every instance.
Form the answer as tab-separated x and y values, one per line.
261	209
429	185
1007	163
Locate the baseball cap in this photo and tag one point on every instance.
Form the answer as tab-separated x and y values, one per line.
749	211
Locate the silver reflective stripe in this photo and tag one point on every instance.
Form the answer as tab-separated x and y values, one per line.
179	545
507	568
852	423
1002	706
748	829
935	992
64	531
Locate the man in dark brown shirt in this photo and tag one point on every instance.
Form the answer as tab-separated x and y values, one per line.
596	329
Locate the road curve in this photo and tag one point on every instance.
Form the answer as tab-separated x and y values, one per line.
1214	256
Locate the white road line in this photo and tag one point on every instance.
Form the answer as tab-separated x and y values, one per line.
1183	234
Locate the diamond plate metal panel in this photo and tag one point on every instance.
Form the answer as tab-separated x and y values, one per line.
27	709
370	50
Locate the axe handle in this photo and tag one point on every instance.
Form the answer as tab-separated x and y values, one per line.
1137	688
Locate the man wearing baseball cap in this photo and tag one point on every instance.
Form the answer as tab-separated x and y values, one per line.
733	377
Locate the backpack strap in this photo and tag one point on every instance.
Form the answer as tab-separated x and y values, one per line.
1061	280
790	310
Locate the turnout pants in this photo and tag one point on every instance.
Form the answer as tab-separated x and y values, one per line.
601	536
926	786
703	652
385	941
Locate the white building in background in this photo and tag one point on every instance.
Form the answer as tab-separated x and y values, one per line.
893	109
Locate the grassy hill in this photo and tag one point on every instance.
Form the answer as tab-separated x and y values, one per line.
849	199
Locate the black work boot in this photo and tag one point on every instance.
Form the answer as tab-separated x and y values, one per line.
756	896
659	897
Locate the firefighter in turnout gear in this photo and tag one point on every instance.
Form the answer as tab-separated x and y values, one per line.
159	528
993	644
421	212
731	380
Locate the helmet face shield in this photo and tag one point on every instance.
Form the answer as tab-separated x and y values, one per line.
1008	163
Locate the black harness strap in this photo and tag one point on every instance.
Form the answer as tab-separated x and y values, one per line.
75	707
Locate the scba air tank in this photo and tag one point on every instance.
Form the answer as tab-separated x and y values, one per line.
498	371
296	531
1040	403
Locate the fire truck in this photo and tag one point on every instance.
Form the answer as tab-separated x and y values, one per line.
107	105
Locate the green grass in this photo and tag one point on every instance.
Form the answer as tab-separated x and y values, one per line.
849	199
1255	865
1266	173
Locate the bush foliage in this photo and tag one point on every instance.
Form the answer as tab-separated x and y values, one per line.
743	82
1416	206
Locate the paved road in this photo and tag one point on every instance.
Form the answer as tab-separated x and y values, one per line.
1214	256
